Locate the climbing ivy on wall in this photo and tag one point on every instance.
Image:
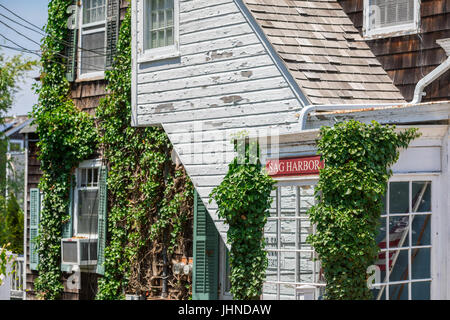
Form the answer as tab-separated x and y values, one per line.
349	198
150	198
243	198
66	137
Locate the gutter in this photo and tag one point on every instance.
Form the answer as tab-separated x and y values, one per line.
418	92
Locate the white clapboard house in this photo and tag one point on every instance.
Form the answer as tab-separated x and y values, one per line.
280	69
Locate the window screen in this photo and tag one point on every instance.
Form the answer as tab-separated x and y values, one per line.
159	23
388	13
94	59
87	211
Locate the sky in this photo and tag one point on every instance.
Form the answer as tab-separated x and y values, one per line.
34	11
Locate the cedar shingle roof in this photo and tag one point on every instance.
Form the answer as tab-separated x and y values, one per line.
324	51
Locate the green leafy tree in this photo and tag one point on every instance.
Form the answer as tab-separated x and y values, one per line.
349	198
11	219
243	198
12	73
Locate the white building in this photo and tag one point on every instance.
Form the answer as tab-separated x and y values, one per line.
207	69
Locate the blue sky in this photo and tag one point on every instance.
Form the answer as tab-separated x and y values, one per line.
34	11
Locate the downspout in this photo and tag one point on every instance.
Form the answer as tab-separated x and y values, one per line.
418	92
433	75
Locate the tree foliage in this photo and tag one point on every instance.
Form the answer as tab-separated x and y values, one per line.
243	198
11	224
12	73
349	193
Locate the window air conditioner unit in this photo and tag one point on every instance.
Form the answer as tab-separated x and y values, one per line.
76	251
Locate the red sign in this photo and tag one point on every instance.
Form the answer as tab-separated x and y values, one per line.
294	166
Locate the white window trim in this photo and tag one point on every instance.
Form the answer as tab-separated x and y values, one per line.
436	265
94	74
15	142
162	53
392	31
87	164
294	181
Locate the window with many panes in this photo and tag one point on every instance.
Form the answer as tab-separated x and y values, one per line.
293	272
92	38
404	239
160	24
405	242
160	29
86	196
390	17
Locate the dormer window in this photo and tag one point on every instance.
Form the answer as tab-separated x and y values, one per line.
388	18
158	26
92	38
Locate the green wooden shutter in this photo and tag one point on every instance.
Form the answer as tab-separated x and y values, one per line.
67	227
102	213
35	209
206	254
112	31
71	48
67	230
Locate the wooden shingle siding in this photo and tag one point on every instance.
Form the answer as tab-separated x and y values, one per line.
223	82
34	174
407	59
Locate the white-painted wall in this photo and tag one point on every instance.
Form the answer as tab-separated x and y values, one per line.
224	81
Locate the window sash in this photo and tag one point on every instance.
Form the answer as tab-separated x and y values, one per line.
144	50
90	63
91	6
160	24
86	185
416	277
405	248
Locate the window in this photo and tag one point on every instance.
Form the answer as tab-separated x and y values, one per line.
86	196
391	17
15	146
405	250
92	38
159	39
405	242
292	272
159	24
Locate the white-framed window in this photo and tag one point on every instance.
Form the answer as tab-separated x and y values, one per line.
293	272
406	240
86	199
92	39
15	146
387	18
410	216
158	29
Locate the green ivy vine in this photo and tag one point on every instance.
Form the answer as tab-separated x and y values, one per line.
150	199
349	198
243	200
66	137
